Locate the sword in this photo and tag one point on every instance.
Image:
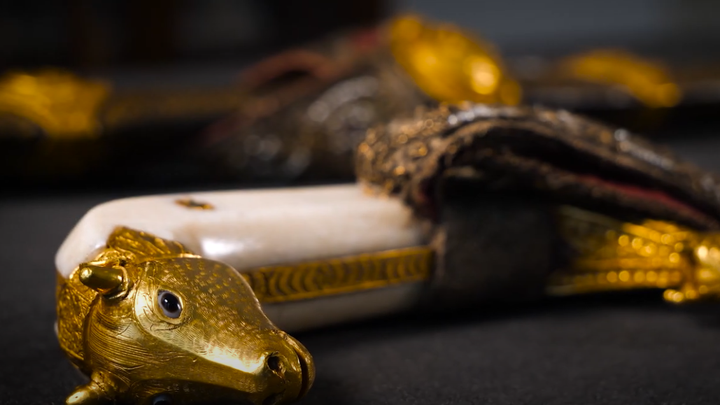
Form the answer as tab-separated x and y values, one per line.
188	298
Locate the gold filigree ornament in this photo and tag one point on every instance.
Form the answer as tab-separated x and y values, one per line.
615	255
149	322
61	104
449	64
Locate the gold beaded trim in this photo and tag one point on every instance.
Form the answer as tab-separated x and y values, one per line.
321	278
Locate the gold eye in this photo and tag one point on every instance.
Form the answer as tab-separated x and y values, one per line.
170	304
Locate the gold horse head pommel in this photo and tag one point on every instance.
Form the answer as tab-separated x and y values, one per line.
151	323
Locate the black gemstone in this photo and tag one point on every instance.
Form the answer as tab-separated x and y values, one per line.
170	304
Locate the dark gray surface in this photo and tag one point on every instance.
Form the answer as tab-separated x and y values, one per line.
604	350
669	28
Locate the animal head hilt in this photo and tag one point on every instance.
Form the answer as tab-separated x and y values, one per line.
163	326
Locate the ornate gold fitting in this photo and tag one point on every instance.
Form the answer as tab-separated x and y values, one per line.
615	255
451	65
703	281
149	322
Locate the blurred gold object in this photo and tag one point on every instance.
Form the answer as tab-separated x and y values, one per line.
149	321
449	65
648	81
61	104
616	255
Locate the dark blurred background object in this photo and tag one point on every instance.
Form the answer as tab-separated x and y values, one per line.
85	34
163	99
82	34
144	79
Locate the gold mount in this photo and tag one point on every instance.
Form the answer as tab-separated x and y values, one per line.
148	321
615	255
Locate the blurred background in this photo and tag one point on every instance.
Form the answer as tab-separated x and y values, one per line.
107	99
119	35
215	93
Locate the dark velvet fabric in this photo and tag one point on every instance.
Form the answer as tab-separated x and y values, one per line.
487	244
619	349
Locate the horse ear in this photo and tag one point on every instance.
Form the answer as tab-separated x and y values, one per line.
108	281
91	393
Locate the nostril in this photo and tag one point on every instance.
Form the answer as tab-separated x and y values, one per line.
274	363
272	399
162	399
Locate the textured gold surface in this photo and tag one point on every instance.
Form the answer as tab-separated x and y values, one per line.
321	278
73	305
616	255
63	105
220	347
449	65
648	81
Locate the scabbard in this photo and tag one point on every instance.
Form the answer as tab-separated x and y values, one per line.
489	180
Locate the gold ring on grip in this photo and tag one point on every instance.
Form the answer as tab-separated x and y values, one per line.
320	278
